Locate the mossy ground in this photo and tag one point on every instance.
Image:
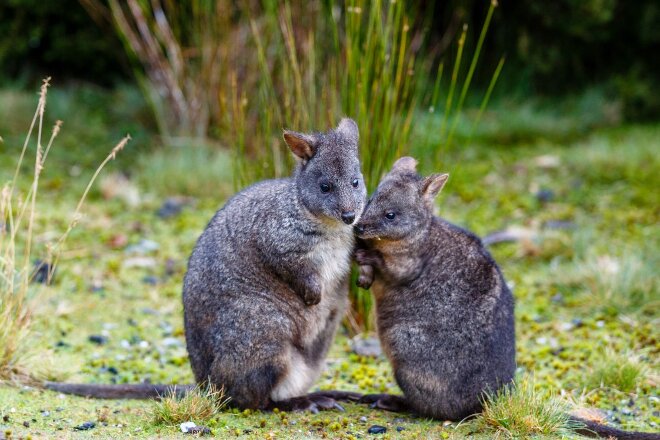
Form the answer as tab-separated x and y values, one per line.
584	275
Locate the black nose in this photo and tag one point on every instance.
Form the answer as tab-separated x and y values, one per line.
348	217
359	229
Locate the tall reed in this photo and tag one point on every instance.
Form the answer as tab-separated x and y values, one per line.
18	215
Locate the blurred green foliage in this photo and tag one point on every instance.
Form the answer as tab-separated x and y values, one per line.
59	39
551	47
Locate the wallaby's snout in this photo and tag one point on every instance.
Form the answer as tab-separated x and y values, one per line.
348	217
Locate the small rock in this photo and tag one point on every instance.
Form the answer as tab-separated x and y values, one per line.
577	322
98	339
366	346
171	207
150	279
85	426
42	272
566	326
377	429
363	419
140	262
144	246
26	424
113	370
400	428
172	342
185	426
62	344
558	298
5	418
545	195
399	420
45	413
149	311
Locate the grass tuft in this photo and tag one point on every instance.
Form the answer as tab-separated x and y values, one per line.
199	405
615	371
521	411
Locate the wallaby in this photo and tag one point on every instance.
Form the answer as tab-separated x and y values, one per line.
267	282
444	311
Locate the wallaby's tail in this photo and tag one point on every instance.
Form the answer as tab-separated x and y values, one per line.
595	429
125	391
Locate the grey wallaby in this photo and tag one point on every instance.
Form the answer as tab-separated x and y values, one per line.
444	311
267	282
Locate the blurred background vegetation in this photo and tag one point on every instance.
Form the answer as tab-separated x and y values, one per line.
205	87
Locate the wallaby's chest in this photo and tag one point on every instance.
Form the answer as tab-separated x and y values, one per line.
331	257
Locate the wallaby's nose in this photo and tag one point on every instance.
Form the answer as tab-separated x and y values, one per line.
348	217
359	229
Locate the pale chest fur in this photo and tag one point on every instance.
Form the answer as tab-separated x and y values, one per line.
331	257
332	260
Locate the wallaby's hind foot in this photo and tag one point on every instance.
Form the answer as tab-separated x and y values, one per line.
345	396
387	402
311	402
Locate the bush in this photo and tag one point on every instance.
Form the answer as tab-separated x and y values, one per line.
56	38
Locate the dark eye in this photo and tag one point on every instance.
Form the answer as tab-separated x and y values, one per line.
325	188
390	215
355	183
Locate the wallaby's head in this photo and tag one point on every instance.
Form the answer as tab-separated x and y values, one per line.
401	205
328	176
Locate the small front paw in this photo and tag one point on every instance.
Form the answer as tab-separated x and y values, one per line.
312	294
365	276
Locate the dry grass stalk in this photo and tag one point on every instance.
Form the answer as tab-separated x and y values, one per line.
18	213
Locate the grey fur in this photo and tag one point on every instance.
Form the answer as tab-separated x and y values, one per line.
445	314
267	281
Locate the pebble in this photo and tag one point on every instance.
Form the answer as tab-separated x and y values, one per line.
144	246
98	339
366	346
150	279
171	207
185	426
400	428
363	419
85	426
377	429
40	272
545	195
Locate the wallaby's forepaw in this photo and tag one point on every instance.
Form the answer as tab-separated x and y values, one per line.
311	293
366	257
365	276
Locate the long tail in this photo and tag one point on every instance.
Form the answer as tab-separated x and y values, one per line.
595	429
126	391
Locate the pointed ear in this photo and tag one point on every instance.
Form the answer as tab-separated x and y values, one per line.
349	129
405	163
302	145
432	185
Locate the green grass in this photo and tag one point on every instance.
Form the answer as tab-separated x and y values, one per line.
616	371
521	411
603	183
199	405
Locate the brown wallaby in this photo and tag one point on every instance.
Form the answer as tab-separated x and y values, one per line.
444	311
267	282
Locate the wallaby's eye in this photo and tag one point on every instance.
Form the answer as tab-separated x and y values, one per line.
390	215
325	187
355	183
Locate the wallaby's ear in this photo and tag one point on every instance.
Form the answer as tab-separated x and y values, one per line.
405	163
349	129
302	145
432	185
